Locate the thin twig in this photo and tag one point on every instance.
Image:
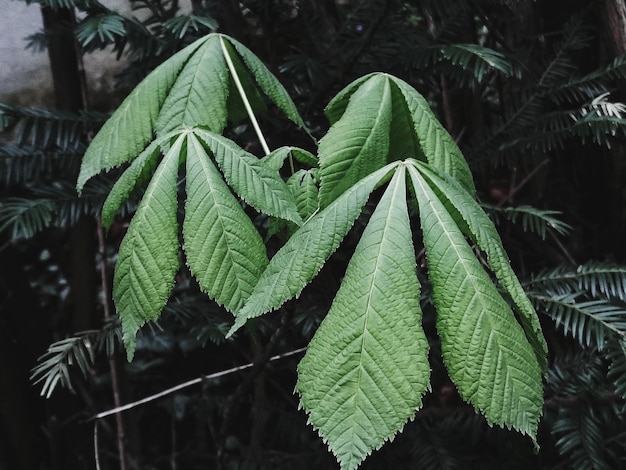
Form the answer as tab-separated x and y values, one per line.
96	453
189	383
115	385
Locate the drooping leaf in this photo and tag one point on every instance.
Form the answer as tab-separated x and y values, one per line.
531	219
484	348
590	322
303	186
148	256
358	143
267	82
131	127
617	369
224	250
304	254
366	369
436	144
337	106
253	181
24	217
198	97
475	224
138	172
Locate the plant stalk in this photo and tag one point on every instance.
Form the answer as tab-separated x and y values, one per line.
244	97
119	421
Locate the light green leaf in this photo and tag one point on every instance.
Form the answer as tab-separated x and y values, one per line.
303	186
268	82
198	97
480	229
358	143
131	127
337	106
224	250
437	145
304	254
366	369
148	256
136	174
253	181
484	348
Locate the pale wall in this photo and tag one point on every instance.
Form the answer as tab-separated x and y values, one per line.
25	76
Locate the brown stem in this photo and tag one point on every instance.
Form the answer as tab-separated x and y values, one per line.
117	401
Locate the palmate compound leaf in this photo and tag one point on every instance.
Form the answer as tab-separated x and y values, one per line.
484	348
189	89
376	119
366	369
304	254
476	225
148	256
224	250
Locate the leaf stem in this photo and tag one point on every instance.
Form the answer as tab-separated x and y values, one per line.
244	98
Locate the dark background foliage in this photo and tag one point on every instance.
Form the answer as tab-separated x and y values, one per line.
531	90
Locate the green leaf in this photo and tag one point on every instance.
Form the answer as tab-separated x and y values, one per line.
358	143
437	145
131	127
591	323
148	256
198	97
484	348
138	172
224	250
303	186
304	254
24	217
366	369
337	106
270	85
532	219
475	224
253	181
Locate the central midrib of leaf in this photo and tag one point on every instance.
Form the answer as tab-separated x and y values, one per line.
218	208
472	279
385	239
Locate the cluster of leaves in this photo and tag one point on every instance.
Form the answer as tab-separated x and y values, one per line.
354	380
